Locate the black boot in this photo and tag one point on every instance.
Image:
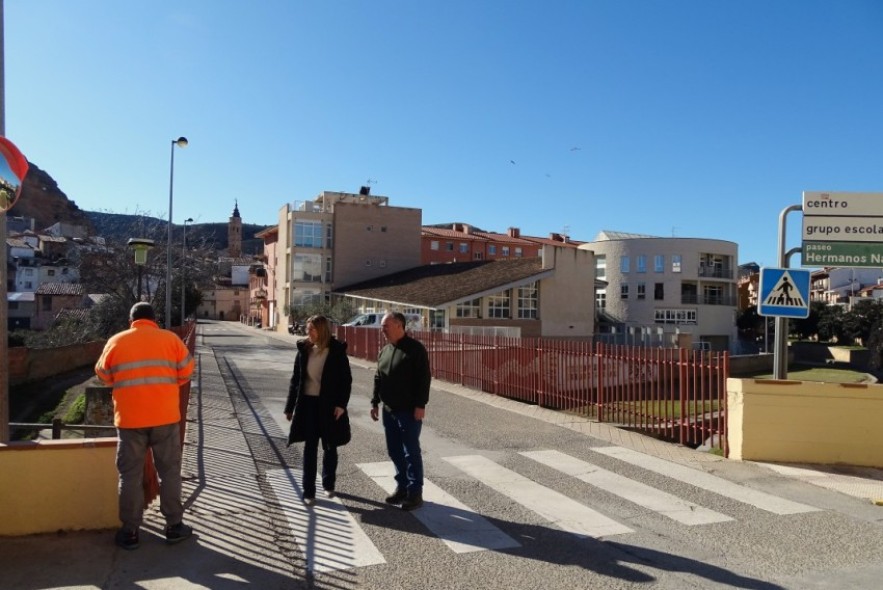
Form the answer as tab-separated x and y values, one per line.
412	501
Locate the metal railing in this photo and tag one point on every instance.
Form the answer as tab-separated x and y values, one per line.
57	427
671	393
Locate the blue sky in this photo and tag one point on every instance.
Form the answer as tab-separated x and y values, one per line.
694	118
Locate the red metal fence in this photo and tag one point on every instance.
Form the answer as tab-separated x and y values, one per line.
671	393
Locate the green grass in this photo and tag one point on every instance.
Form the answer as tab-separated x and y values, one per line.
76	412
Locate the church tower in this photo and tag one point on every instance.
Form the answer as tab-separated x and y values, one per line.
234	234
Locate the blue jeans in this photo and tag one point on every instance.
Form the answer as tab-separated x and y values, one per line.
403	445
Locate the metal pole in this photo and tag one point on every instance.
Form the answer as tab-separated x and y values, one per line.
4	326
780	344
184	266
169	244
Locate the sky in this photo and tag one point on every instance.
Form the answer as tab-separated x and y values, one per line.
687	118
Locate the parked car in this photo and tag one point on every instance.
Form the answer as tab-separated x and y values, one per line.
372	320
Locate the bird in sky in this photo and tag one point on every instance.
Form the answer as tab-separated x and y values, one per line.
511	161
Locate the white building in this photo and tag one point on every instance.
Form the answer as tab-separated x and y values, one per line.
682	288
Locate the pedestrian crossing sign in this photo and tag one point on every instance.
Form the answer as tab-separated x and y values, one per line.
784	292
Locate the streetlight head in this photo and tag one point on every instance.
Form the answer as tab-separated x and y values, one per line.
188	220
181	142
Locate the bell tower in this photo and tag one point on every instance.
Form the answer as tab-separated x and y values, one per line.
234	233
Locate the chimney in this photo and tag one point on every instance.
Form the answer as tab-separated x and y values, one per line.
514	232
556	237
365	190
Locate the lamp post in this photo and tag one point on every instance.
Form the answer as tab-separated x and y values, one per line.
180	142
184	266
141	246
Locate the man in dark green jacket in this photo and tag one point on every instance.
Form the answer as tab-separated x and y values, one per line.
401	385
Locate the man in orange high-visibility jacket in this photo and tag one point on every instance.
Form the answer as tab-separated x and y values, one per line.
146	366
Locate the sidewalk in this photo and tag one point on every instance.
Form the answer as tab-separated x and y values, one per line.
235	545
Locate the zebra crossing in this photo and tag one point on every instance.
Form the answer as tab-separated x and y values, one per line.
332	539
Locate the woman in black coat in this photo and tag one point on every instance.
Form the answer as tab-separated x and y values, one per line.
317	398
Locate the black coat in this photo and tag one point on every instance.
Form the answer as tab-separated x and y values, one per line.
334	392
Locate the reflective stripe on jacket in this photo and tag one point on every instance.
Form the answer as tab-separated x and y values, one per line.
146	366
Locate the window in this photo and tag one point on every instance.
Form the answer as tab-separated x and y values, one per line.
642	291
675	316
601	299
624	264
477	256
29	285
469	309
308	234
464	248
492	250
600	267
528	297
641	263
659	263
449	246
51	272
29	272
505	250
498	305
658	291
517	252
12	305
328	233
64	271
714	294
307	268
433	245
675	263
624	291
328	270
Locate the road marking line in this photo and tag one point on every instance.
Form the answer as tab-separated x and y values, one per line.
633	491
327	533
461	528
706	481
562	511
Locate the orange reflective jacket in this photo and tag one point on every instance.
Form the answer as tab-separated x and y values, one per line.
145	366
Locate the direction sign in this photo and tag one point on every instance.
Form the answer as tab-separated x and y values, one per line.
842	229
784	292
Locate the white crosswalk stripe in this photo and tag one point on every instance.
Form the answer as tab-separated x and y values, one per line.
706	481
327	533
555	507
461	528
633	491
331	538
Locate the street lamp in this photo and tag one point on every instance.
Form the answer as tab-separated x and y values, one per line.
184	265
141	246
180	142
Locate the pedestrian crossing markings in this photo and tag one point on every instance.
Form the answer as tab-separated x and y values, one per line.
784	293
331	538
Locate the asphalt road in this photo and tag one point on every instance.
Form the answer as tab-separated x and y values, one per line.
519	502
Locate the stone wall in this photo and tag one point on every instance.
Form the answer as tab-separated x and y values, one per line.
33	364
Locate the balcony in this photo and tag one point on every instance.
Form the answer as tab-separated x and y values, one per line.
259	294
695	299
715	272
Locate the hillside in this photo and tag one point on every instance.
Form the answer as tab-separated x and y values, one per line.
42	199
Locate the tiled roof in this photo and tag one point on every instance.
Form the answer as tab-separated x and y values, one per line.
452	234
61	289
439	285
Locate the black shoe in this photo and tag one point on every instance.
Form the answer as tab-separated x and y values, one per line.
412	501
397	497
176	533
127	539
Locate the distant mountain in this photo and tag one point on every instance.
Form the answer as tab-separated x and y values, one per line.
42	199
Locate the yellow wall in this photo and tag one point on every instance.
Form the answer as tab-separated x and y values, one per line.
805	422
58	485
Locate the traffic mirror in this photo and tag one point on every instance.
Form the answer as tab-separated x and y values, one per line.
13	168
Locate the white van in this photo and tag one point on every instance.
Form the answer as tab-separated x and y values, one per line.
372	320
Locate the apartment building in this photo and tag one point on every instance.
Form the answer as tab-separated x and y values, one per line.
840	285
461	242
338	239
684	287
262	281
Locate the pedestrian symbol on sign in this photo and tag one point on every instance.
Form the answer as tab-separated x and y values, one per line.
781	294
